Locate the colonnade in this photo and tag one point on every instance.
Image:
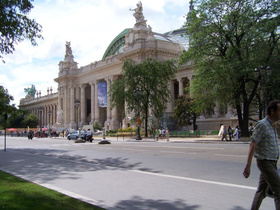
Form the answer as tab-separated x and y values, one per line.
80	105
47	114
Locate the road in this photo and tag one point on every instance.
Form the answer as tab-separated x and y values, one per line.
138	175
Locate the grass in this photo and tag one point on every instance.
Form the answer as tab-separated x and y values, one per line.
16	193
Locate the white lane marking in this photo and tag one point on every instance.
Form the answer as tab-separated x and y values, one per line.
197	180
139	150
176	147
172	152
225	155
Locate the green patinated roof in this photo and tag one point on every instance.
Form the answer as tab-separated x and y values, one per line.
116	44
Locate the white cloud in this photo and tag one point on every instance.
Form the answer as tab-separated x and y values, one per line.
89	25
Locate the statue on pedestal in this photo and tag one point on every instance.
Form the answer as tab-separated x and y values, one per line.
30	92
68	56
138	14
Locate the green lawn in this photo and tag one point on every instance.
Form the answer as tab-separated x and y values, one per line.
16	193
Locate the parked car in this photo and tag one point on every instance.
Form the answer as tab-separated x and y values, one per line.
76	135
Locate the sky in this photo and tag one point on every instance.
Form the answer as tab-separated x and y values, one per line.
90	26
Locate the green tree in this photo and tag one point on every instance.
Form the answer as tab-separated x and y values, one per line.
16	118
227	40
15	26
5	107
152	78
5	100
31	120
185	112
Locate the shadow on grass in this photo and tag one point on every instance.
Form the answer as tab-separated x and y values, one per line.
16	193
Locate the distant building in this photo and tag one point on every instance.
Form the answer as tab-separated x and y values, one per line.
82	92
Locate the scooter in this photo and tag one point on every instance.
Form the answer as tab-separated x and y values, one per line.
30	136
89	138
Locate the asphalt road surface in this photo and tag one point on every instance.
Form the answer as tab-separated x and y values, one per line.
138	175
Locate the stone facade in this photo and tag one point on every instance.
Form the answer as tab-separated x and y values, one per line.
76	102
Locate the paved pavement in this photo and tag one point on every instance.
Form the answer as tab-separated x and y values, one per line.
201	139
45	170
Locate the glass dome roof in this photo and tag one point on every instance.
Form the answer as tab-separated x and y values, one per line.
116	46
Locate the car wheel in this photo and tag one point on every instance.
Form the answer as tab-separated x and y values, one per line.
68	138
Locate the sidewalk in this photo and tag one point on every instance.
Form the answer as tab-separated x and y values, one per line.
201	139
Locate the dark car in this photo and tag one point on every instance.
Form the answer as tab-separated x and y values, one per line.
76	135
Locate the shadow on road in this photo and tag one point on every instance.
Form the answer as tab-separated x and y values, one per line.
49	164
137	203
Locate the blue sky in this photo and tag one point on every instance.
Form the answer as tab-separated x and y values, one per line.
89	25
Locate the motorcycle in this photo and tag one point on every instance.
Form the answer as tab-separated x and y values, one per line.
89	138
30	135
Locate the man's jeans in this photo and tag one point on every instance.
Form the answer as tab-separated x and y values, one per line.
268	178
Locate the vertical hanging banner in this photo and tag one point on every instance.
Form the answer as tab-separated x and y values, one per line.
102	94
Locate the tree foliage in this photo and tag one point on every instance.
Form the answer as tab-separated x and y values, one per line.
30	120
228	39
15	26
152	78
185	111
5	99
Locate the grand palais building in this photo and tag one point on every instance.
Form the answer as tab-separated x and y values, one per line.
81	97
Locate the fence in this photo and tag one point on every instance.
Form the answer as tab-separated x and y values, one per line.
191	133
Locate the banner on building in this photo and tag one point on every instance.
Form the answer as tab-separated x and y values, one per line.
102	94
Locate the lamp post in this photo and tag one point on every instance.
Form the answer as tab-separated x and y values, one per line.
49	112
40	113
138	93
77	104
263	76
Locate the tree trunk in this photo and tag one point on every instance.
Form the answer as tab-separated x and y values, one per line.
146	122
243	119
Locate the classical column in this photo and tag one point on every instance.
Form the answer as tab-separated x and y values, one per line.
72	108
170	104
97	114
108	100
92	110
190	84
66	111
229	112
216	111
108	109
115	123
181	86
83	105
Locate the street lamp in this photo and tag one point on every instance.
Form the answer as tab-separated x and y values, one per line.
263	76
77	104
49	112
138	93
40	112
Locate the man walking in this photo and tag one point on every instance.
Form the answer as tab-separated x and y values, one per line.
264	147
224	133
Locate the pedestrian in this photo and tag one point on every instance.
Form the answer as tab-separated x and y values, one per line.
224	133
167	134
163	133
264	147
236	134
230	133
157	133
221	130
154	133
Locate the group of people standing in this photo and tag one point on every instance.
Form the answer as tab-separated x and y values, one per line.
160	133
224	132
